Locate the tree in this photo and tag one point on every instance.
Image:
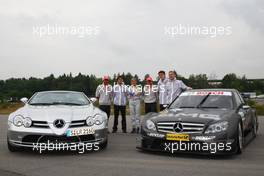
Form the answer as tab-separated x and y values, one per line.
198	81
232	81
17	88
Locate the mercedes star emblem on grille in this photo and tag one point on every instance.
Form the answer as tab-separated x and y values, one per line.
178	127
59	123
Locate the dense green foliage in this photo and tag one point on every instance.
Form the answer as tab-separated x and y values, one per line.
21	87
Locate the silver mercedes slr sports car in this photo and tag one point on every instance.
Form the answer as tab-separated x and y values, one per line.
58	118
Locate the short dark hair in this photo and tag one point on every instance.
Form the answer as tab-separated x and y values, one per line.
134	78
173	71
161	71
118	77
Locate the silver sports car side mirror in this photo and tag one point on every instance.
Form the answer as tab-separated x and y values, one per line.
93	99
165	106
24	100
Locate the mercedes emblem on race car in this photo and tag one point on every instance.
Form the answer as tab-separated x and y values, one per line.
178	127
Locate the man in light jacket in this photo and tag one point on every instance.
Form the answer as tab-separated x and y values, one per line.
134	94
174	87
150	96
120	100
163	98
104	95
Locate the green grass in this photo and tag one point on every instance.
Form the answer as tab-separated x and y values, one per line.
7	108
259	107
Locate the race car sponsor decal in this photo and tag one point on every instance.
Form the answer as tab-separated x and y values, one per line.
203	93
156	135
203	138
194	115
177	137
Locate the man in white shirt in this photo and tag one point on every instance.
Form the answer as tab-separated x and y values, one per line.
174	87
120	100
163	99
150	96
104	95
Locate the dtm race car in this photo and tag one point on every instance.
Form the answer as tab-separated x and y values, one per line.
208	121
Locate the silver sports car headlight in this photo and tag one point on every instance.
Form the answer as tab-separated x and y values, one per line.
19	120
150	125
90	121
217	127
97	120
27	122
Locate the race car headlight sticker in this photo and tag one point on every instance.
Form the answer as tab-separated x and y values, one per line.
150	125
27	122
18	120
90	121
217	127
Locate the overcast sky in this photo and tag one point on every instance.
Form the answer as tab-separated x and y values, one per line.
131	37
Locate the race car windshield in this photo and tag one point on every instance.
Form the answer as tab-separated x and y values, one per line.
59	98
203	100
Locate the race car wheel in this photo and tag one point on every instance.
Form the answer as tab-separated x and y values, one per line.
254	127
240	139
103	145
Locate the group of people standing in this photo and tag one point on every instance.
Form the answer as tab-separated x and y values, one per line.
163	93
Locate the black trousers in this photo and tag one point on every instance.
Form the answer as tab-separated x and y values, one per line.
162	107
150	107
106	109
118	109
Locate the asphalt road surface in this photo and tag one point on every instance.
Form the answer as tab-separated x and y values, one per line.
122	158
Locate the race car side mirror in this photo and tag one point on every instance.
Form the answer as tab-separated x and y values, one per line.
24	100
246	107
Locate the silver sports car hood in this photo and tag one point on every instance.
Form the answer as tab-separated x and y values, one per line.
51	113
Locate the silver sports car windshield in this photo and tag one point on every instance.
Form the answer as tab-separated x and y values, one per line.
204	99
59	98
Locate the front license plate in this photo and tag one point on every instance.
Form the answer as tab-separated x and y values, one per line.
177	137
79	131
